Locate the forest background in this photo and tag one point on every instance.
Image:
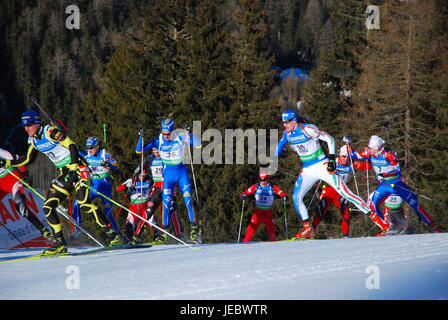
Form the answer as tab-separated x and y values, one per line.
132	63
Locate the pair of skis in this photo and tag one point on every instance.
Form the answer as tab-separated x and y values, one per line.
81	253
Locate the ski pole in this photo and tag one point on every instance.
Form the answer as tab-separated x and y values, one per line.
59	209
315	191
286	219
71	213
192	169
140	206
124	201
105	136
356	182
136	215
417	194
241	220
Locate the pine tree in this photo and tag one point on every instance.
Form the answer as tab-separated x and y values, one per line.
327	95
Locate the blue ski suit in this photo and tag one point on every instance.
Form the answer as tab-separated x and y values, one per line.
174	170
101	181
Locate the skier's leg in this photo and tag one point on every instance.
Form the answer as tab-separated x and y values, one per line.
303	184
339	185
106	189
268	221
407	195
306	180
252	227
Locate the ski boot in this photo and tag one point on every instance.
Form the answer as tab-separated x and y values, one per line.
162	238
113	238
384	226
59	248
128	234
136	239
194	232
308	232
47	234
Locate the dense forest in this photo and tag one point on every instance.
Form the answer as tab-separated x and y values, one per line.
132	63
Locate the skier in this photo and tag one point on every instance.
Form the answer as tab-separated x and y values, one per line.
10	184
171	150
387	168
139	192
73	171
101	164
305	140
264	200
155	198
330	196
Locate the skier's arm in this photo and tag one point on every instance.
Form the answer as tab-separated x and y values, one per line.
127	184
146	147
279	191
110	161
363	165
58	136
281	144
249	191
392	157
31	155
194	142
359	155
6	155
315	133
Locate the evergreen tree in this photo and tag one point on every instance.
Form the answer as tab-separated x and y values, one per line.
327	95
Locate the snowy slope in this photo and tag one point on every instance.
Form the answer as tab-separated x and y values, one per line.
396	267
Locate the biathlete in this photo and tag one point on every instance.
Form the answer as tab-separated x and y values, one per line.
171	150
305	140
264	200
387	168
101	164
148	211
73	173
329	195
139	191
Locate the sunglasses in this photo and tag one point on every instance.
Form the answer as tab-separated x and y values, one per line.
286	121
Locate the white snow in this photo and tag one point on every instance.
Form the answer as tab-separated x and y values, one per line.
395	267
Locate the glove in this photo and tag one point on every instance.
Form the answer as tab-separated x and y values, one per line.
107	165
142	133
331	165
72	176
243	196
186	127
346	139
121	188
285	198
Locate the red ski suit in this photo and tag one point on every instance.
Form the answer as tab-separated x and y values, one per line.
264	199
